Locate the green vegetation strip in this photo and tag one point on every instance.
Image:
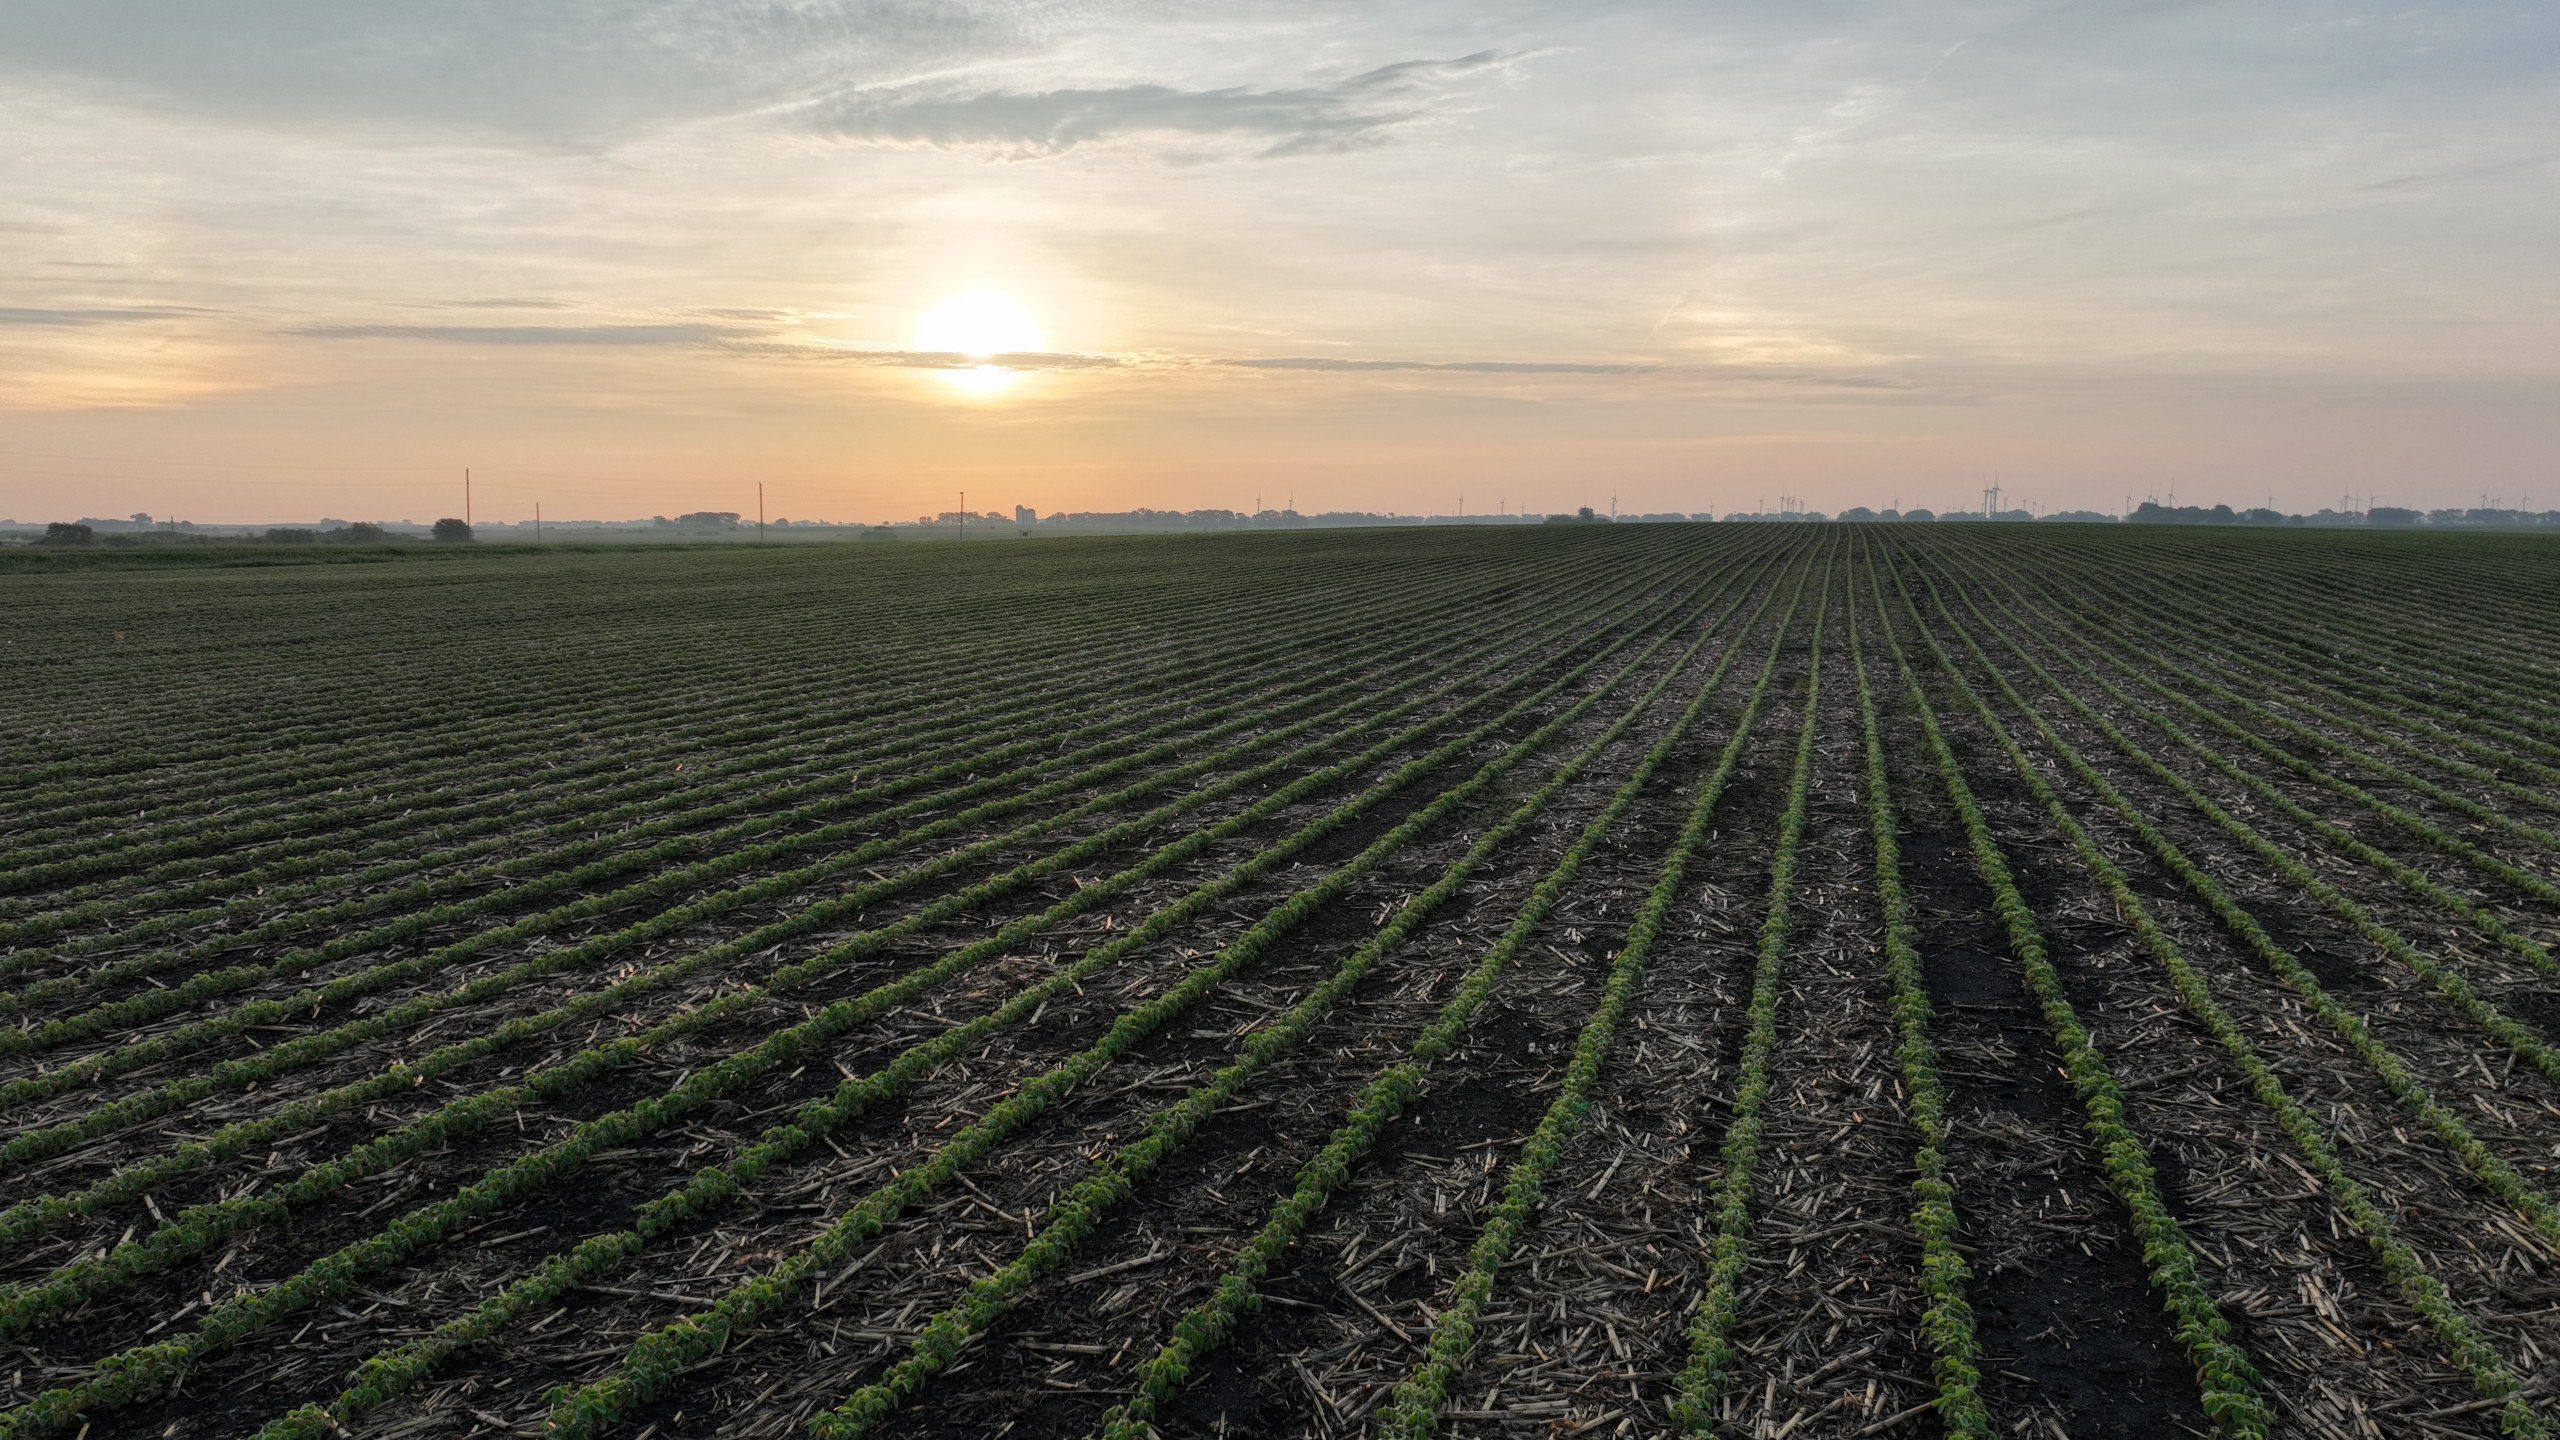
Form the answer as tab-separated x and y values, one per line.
314	1046
392	1373
1413	1411
2524	880
655	1361
2400	707
2229	1385
812	742
309	1047
2425	1294
501	727
2491	1020
140	1371
1711	1350
1103	760
2514	942
2501	1178
204	1226
1069	1222
1946	1318
1384	1099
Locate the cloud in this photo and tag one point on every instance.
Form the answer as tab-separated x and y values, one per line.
1470	367
581	72
1337	364
747	341
494	302
942	359
692	334
57	319
1350	114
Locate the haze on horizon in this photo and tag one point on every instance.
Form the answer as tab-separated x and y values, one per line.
285	258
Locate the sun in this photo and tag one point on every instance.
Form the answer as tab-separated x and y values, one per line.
979	325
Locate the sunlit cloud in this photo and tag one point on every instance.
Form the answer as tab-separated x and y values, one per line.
975	324
40	317
677	334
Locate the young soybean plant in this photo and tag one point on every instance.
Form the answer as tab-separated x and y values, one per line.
2461	1339
1414	1412
1946	1321
2230	1384
1083	1210
1711	1350
1208	1325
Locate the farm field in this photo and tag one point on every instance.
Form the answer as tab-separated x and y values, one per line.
1754	980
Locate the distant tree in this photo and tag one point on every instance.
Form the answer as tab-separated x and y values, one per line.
2390	515
292	535
361	532
61	533
1858	514
452	532
141	517
1583	516
1920	513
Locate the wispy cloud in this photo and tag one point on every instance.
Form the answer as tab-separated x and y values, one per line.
1770	376
532	334
749	341
1350	114
940	359
47	318
580	74
493	302
1473	367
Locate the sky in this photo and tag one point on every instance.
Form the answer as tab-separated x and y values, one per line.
275	260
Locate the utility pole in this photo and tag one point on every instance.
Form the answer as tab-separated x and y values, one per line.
466	495
537	522
759	512
964	514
